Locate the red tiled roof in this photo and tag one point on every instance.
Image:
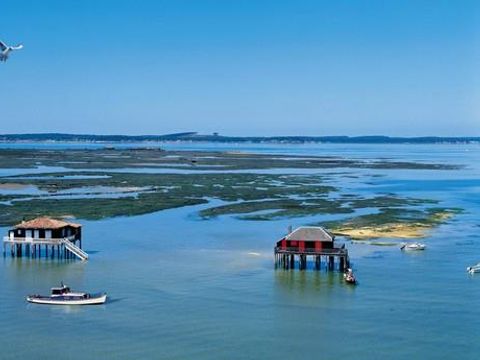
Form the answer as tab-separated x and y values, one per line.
45	223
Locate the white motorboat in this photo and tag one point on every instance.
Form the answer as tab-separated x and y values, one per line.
413	246
474	269
64	296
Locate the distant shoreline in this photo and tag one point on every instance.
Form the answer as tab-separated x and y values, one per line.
215	138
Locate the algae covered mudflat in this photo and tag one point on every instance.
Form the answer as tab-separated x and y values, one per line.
398	223
97	184
119	158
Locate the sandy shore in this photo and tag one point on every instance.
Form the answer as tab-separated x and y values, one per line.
396	231
412	230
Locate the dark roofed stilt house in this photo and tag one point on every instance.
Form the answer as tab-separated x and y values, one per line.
53	236
310	242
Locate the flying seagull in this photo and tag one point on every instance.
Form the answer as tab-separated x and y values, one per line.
5	50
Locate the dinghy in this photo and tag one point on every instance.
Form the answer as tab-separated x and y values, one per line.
64	296
349	277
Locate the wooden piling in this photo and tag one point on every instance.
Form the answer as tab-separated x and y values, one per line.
331	262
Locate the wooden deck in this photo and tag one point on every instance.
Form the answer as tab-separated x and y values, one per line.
288	257
30	240
36	247
326	252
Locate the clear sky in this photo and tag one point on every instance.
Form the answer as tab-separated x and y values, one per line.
257	67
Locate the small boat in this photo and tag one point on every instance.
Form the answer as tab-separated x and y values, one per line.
349	277
413	246
64	296
474	269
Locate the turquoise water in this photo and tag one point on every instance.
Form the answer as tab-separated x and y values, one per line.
183	288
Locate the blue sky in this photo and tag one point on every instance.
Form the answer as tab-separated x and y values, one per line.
400	68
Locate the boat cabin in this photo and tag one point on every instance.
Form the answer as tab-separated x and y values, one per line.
60	290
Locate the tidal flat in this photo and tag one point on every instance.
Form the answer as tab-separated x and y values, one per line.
95	184
183	281
119	158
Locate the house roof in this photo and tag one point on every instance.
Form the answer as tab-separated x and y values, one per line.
45	223
310	233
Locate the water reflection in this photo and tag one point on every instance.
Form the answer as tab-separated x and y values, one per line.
37	276
309	281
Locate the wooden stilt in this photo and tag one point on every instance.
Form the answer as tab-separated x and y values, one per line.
331	262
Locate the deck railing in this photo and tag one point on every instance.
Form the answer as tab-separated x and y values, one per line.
29	240
310	251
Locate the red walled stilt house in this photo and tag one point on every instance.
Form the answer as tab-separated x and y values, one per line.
312	242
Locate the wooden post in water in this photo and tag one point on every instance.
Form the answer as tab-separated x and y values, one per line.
331	262
302	262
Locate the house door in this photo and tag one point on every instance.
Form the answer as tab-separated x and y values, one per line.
48	234
28	235
36	234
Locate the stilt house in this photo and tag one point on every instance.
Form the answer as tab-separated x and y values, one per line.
309	241
53	234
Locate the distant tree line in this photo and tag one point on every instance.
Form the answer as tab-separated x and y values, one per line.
193	136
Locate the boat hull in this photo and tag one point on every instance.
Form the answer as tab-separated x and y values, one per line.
473	269
45	300
413	247
350	280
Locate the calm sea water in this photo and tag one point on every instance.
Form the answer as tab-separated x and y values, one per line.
183	288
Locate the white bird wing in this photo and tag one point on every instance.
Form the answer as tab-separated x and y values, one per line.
2	45
18	47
